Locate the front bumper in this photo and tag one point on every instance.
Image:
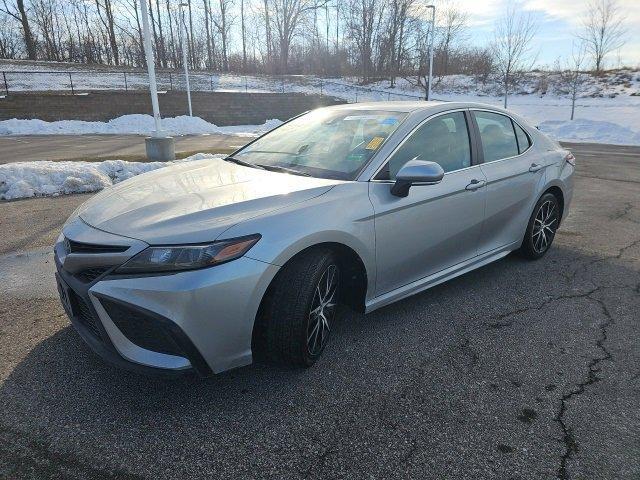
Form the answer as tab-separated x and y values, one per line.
198	320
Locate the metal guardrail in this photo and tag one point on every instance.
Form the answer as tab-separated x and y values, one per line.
86	80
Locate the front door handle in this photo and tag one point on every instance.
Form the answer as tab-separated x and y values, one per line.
535	167
475	184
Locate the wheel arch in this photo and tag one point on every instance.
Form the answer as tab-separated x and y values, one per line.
556	191
354	295
356	274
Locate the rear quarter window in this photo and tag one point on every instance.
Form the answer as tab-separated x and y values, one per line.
524	142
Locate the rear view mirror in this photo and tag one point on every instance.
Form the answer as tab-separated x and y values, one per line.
416	172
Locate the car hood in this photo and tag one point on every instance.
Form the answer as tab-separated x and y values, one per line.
194	202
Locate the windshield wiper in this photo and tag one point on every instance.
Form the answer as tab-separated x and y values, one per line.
243	163
276	168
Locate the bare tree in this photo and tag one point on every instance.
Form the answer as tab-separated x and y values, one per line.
223	24
243	30
162	49
192	49
452	23
107	21
571	76
512	46
603	30
362	17
174	55
287	18
9	39
20	14
207	15
267	25
397	25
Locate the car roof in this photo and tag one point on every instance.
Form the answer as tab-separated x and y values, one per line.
411	106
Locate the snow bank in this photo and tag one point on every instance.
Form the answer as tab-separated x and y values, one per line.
581	130
129	124
45	178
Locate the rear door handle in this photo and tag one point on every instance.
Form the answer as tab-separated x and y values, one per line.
535	167
475	184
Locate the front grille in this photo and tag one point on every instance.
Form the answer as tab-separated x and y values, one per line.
79	247
84	314
141	329
90	274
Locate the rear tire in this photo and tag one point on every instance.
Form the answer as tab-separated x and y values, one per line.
541	229
297	313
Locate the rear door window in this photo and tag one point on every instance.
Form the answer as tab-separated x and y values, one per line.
497	136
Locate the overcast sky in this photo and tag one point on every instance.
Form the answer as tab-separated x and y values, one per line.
557	20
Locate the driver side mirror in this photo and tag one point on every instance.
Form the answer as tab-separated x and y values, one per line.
416	172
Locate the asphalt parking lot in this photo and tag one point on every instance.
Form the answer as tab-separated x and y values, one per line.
519	370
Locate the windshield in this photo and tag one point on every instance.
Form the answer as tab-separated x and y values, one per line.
323	143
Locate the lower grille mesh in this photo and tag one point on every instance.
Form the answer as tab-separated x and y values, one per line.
141	329
83	313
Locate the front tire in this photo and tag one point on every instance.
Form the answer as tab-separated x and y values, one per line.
299	309
541	228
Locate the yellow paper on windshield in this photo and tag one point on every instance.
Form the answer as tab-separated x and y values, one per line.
374	143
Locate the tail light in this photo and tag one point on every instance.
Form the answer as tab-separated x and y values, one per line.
570	159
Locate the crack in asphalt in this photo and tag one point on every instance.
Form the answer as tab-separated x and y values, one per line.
498	324
568	438
623	180
628	206
582	268
49	464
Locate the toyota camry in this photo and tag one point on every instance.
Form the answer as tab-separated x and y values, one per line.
207	265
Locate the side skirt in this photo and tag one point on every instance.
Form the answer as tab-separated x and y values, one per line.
439	277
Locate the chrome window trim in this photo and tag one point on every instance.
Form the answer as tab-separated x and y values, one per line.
514	121
422	122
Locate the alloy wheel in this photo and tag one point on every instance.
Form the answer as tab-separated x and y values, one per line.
322	310
544	226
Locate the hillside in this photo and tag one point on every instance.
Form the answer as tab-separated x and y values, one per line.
606	109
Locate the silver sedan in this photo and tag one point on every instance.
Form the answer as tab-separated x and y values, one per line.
206	265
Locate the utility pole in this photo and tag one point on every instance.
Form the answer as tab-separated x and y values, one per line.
183	31
159	147
433	28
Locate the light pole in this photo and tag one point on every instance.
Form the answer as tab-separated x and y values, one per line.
433	28
183	32
159	147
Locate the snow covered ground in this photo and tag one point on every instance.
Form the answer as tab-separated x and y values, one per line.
130	124
606	113
606	110
45	178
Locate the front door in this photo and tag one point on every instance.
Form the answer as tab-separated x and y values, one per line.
435	226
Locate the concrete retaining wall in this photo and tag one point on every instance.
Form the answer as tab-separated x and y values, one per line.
221	108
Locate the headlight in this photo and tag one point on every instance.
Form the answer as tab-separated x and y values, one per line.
188	257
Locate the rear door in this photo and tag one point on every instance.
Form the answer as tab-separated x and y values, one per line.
434	226
513	178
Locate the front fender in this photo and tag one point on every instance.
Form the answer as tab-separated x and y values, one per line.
344	215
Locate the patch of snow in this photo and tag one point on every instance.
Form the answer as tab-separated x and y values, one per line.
130	124
46	178
581	130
